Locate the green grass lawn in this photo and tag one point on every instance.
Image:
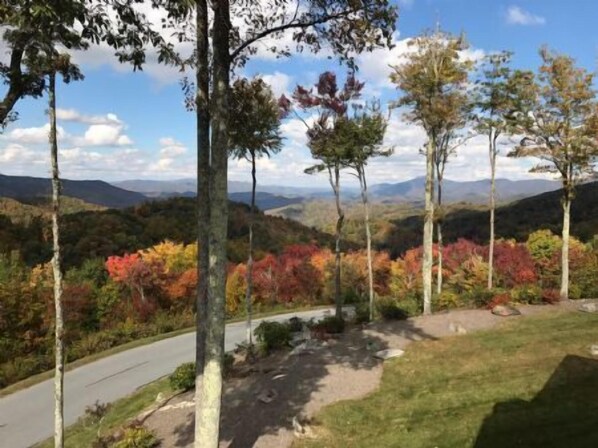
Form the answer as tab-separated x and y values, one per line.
531	383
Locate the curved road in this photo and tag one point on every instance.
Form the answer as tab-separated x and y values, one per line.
26	417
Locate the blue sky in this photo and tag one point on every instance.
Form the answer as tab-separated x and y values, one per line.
120	125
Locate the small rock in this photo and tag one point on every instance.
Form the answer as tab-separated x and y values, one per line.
457	328
279	376
160	397
389	353
594	350
301	428
588	308
268	396
302	349
505	310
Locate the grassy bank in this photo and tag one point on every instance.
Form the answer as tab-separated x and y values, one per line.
531	383
82	434
140	342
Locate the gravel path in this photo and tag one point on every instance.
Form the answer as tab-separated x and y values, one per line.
301	385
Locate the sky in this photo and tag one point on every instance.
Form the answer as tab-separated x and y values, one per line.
118	124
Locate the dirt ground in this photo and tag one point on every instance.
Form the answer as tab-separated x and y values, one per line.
300	385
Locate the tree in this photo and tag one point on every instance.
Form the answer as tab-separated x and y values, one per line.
432	81
363	135
558	118
494	105
255	132
71	24
328	147
349	27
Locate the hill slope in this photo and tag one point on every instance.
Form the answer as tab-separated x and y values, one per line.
91	191
113	232
516	220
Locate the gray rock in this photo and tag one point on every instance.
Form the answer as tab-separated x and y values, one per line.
505	310
268	396
594	350
457	328
389	353
588	307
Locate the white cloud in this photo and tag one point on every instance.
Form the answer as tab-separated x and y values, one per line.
518	16
75	116
280	83
33	135
171	148
104	135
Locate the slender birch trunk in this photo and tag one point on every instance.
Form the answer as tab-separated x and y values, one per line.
368	236
209	413
492	143
250	257
338	235
428	228
565	250
439	238
57	270
203	198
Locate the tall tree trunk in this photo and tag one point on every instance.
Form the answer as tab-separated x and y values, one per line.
250	257
209	413
439	238
336	186
202	109
565	250
57	270
428	228
492	144
368	236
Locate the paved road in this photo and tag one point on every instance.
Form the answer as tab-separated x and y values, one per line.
26	417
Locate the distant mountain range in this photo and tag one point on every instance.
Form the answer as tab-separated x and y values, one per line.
467	191
92	191
133	192
408	191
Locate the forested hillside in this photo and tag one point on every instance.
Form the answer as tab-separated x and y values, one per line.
111	232
516	220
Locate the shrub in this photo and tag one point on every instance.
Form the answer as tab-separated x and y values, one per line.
531	294
449	299
137	436
272	336
295	324
551	296
481	297
362	313
390	309
183	378
330	325
95	412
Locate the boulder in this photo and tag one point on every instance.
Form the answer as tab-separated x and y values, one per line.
389	353
457	328
505	310
588	307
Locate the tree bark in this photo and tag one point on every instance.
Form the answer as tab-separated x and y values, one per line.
250	257
565	250
209	415
439	238
492	143
428	228
202	111
368	236
338	301
57	271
